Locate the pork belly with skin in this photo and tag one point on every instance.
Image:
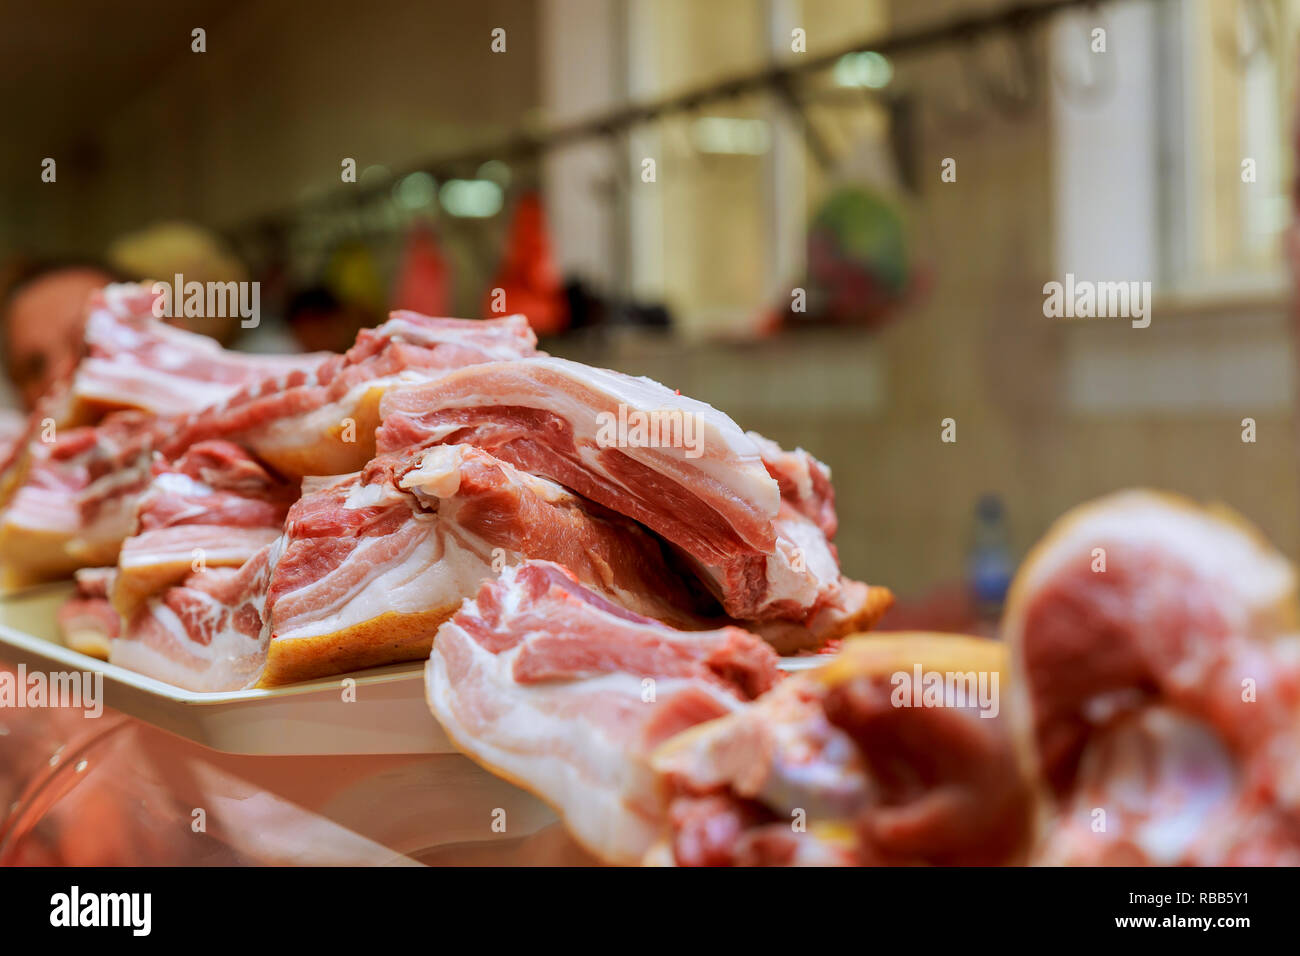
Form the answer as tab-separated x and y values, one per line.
216	506
135	361
75	502
87	621
72	494
323	422
554	688
694	478
204	634
374	562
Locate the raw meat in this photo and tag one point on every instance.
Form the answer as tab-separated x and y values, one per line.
206	633
374	562
1172	794
75	502
215	507
805	482
135	361
552	687
323	422
678	466
840	766
1153	642
73	492
87	620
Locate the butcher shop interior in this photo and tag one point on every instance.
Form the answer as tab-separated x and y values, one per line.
649	432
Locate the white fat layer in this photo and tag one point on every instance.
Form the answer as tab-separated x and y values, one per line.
438	572
370	496
802	566
230	662
220	546
107	381
437	474
427	336
585	768
728	455
178	483
296	431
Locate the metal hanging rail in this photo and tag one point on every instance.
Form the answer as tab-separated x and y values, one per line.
778	78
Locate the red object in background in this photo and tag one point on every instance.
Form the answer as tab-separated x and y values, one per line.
528	274
423	279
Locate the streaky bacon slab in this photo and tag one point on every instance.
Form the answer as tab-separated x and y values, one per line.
86	620
564	693
323	422
552	417
374	562
75	502
135	361
204	634
216	506
753	520
72	502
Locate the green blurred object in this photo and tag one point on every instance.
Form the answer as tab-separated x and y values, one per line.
860	265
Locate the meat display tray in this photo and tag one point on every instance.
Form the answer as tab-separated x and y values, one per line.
383	712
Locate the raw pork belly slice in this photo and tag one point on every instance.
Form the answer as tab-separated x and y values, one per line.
135	361
705	489
872	781
215	507
1143	623
805	483
375	562
694	478
831	605
323	422
87	620
297	418
552	687
818	603
76	500
205	634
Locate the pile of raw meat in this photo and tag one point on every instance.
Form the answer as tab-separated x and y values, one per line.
236	521
1143	709
603	611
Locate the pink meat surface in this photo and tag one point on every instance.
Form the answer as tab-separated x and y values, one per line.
753	520
134	360
206	633
554	687
216	506
87	621
374	562
709	494
322	422
1145	626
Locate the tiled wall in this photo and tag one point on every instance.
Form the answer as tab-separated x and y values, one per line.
1049	412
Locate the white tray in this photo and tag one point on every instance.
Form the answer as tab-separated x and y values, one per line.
388	716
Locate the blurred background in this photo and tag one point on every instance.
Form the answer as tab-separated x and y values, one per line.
842	240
